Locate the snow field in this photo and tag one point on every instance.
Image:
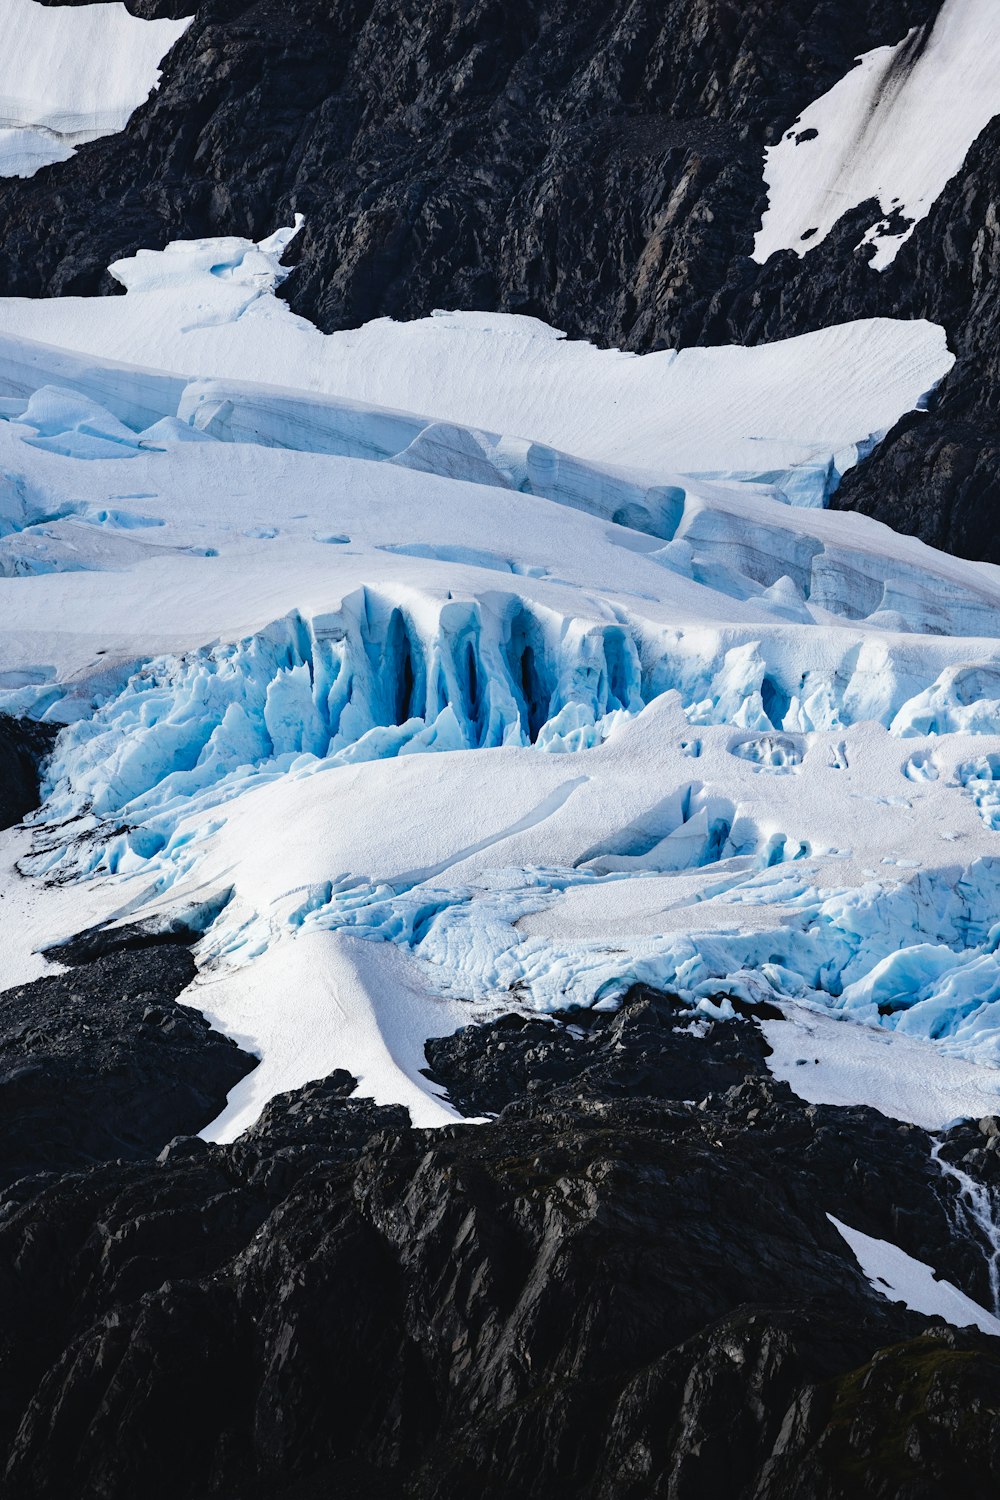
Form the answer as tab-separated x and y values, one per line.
205	310
893	130
69	74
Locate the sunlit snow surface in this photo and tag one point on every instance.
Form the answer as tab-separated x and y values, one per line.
458	666
901	1278
69	74
893	130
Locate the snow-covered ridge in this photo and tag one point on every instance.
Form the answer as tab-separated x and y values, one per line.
69	74
895	129
432	668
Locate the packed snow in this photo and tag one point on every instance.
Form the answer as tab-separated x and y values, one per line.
826	1060
902	1278
438	668
542	408
70	74
891	133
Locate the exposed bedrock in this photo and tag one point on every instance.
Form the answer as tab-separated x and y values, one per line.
605	1292
24	747
935	474
552	157
100	1062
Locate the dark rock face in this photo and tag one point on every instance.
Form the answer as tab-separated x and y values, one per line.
564	158
100	1062
607	1292
937	476
24	745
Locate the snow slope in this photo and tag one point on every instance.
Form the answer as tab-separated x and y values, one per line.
894	130
69	74
205	308
901	1278
826	1060
481	668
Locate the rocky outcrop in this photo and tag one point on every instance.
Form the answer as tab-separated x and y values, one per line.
599	165
24	745
608	1291
100	1062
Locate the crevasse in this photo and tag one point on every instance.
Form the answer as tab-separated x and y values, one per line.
383	676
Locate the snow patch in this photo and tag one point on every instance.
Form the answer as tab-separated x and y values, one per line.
899	1277
894	131
70	74
826	1060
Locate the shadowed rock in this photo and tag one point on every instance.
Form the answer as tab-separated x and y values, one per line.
610	1291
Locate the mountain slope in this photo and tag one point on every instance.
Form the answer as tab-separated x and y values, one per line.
602	170
499	961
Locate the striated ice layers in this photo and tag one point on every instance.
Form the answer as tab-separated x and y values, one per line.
485	669
70	74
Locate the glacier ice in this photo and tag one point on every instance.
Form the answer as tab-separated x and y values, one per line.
475	666
145	781
794	415
375	680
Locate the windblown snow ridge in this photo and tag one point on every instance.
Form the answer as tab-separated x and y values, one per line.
805	407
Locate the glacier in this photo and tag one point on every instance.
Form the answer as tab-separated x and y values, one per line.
433	669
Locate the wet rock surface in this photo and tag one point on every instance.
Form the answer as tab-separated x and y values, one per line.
609	1290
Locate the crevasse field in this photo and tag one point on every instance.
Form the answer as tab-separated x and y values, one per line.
461	667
